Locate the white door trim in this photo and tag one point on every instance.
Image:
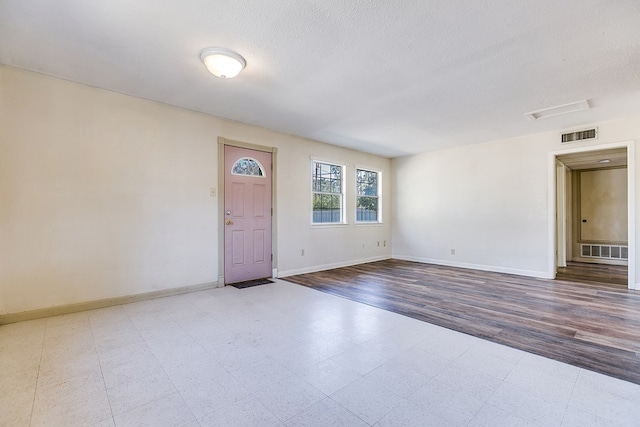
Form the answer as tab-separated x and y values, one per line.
561	215
631	205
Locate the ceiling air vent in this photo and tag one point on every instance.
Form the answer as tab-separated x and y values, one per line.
580	135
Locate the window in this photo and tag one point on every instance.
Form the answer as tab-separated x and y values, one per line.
367	196
247	166
328	200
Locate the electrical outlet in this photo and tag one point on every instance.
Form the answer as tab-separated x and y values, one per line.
378	243
212	192
302	252
453	251
384	243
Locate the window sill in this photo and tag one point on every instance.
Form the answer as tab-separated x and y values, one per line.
330	225
369	224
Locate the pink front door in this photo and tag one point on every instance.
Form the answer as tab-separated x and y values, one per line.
247	214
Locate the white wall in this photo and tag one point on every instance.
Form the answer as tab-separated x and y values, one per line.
104	195
487	201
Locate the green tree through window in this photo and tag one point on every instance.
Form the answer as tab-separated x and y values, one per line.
327	193
367	197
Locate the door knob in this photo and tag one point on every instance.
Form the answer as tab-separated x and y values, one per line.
228	222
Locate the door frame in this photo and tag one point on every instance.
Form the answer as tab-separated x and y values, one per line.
631	206
222	142
561	214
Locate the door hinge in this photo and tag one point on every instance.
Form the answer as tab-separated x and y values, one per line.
271	257
271	211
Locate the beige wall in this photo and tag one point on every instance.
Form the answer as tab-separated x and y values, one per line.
104	195
603	204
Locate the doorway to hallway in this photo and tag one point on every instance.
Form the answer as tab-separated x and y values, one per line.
593	213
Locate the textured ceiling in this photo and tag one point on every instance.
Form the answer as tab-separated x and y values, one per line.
390	78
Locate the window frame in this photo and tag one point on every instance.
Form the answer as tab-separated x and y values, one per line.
378	195
342	194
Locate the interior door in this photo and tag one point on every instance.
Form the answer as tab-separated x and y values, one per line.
247	214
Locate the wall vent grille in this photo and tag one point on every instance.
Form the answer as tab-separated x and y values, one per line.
604	251
580	135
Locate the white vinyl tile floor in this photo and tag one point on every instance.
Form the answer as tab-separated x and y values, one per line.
284	355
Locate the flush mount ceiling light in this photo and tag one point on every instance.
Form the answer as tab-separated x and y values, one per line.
560	109
221	62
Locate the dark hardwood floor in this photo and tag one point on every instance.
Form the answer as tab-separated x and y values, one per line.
588	321
608	275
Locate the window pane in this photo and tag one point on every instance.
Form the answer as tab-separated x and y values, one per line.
247	166
325	185
326	208
367	183
336	172
366	209
366	196
327	189
327	178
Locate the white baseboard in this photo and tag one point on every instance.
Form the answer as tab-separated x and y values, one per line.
481	267
109	302
323	267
